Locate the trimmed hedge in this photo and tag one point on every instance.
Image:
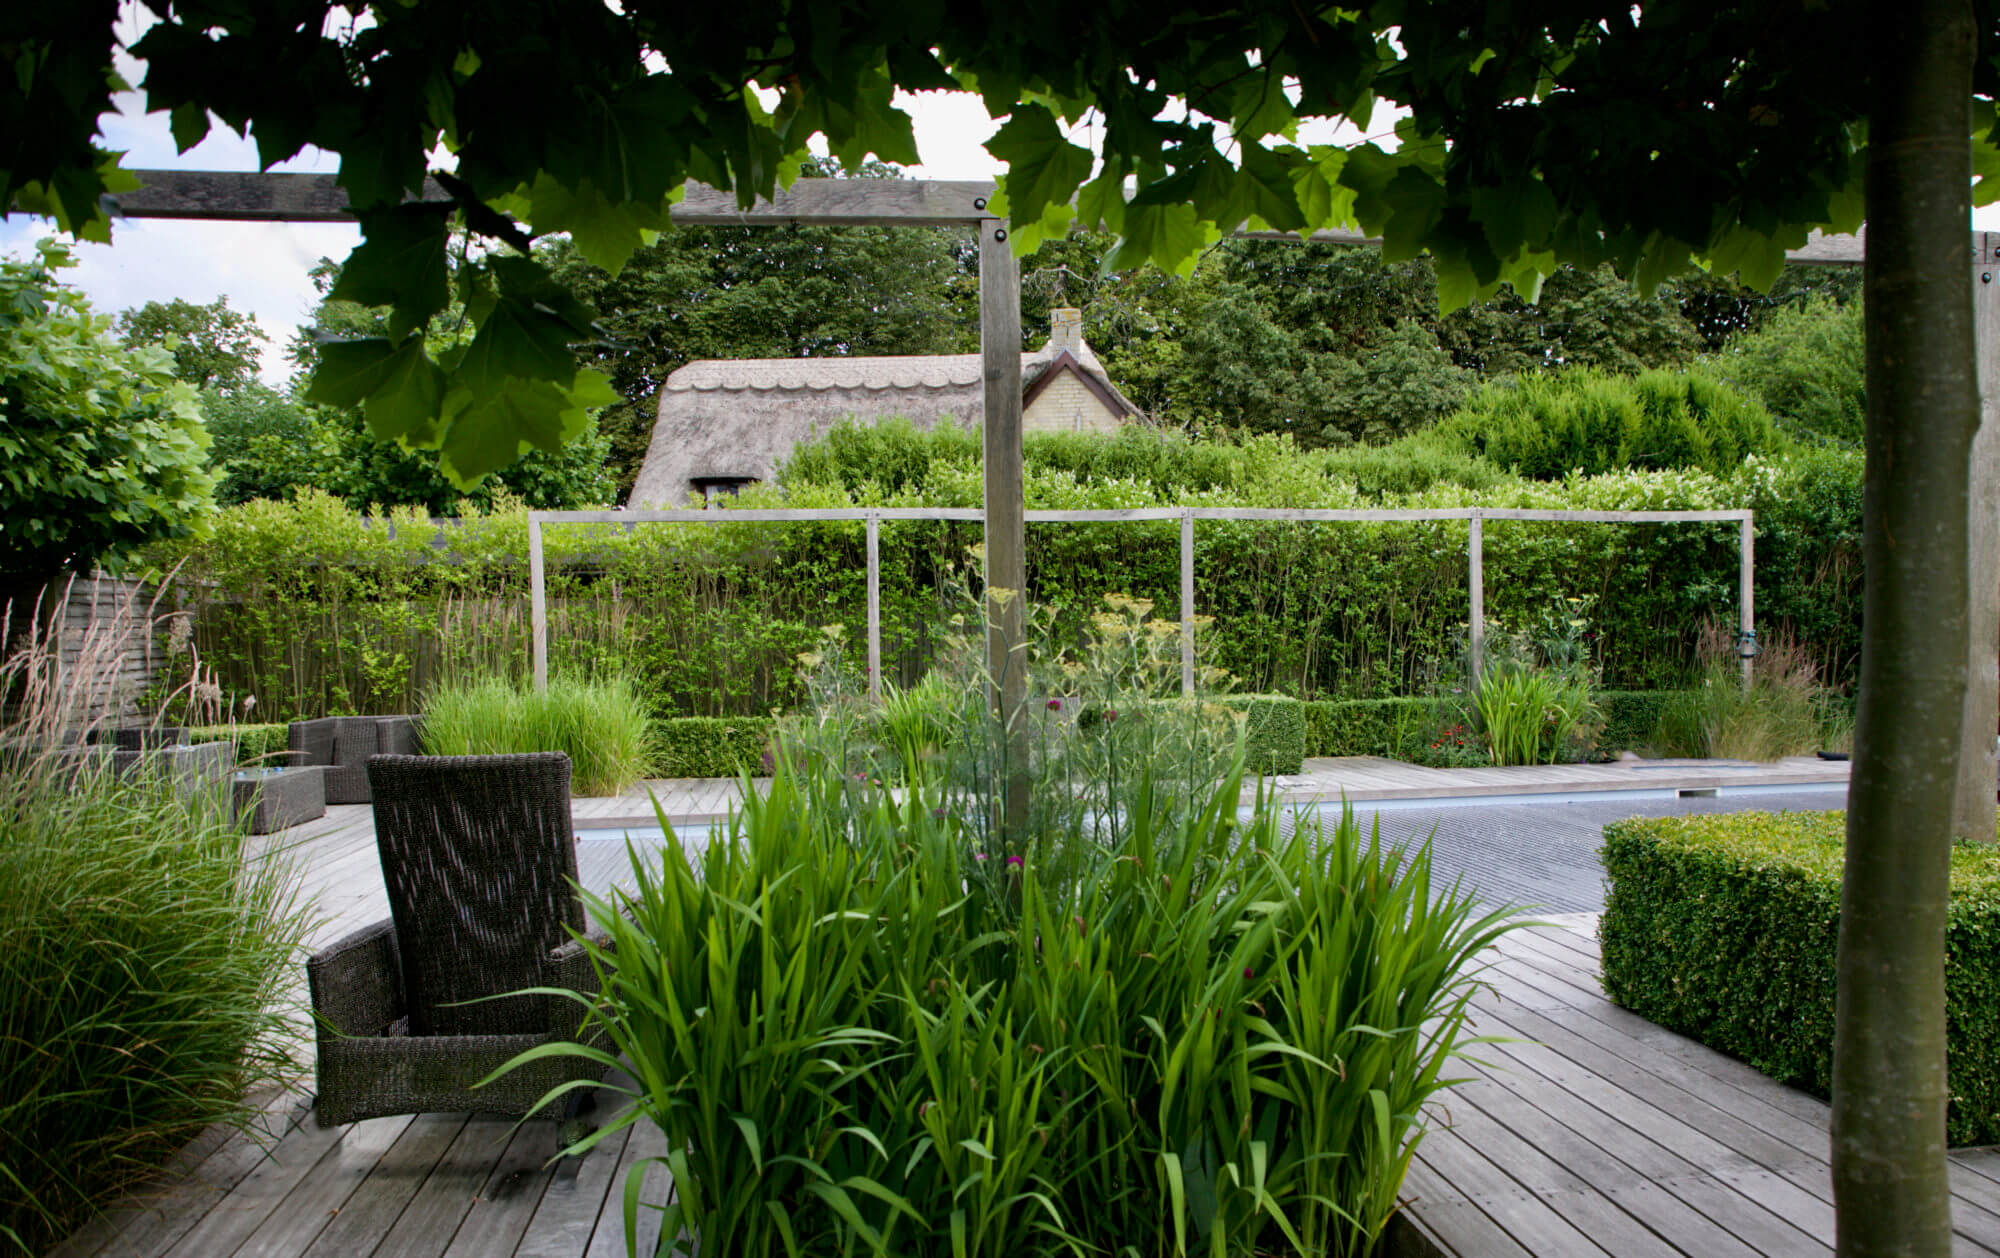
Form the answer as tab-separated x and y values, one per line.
1274	731
1400	729
265	744
1723	928
1630	717
1411	729
712	746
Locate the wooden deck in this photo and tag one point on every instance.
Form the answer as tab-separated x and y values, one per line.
1591	1132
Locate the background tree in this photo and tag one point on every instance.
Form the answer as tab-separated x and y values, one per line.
101	449
213	346
796	291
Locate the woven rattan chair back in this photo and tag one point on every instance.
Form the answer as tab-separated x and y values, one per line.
480	862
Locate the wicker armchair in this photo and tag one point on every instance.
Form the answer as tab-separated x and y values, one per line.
344	743
479	859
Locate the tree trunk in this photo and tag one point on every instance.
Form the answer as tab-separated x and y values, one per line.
1973	817
1891	1191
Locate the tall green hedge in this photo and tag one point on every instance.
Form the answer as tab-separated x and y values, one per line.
314	611
1723	927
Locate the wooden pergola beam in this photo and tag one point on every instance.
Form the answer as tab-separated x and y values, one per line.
250	196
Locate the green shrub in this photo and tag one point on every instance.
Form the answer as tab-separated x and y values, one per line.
1630	718
1274	732
265	744
601	725
1550	425
1805	363
864	1031
1398	729
1723	927
711	746
145	962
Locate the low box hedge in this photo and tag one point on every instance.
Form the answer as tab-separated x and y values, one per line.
1723	927
255	744
1630	717
1399	729
1274	730
1416	729
711	746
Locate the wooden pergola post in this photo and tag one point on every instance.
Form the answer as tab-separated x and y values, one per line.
1006	534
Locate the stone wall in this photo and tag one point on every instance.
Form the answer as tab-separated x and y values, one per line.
1068	405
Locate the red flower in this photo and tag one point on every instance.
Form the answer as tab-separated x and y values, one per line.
1055	705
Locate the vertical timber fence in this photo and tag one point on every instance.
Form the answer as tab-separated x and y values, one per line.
872	518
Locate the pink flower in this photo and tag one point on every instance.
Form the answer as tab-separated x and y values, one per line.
1055	705
1248	972
1015	862
1110	716
979	856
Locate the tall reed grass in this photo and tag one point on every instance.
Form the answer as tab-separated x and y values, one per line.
145	955
1782	712
1218	1035
601	725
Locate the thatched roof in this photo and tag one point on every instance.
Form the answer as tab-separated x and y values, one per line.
737	419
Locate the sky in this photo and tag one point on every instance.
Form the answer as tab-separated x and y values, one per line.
262	267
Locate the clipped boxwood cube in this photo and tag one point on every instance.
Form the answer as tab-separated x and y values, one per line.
1274	730
712	746
1723	927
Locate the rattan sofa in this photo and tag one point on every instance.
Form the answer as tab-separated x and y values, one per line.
480	861
344	743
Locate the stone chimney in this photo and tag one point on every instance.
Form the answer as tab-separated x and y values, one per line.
1065	329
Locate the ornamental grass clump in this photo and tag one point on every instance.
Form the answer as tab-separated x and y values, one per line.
147	953
601	725
862	1030
1784	711
1536	701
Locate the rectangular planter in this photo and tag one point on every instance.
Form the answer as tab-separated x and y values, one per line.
272	799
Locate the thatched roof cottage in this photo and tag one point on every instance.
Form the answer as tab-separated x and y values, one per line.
725	423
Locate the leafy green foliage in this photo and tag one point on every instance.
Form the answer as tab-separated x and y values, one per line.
600	725
711	746
1783	711
1584	420
1522	148
1533	714
1804	363
213	346
930	1066
1724	928
101	449
1274	732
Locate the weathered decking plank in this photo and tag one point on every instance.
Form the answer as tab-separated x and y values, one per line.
373	1208
317	1197
426	1226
